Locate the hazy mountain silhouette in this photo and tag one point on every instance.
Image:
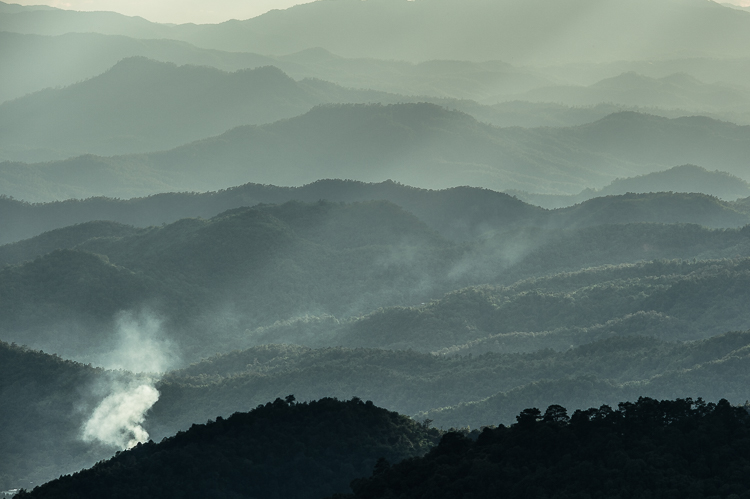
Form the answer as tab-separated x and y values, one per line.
680	91
418	144
446	29
51	21
141	105
686	178
34	62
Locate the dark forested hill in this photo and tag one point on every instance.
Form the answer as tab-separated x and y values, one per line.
420	144
644	448
280	449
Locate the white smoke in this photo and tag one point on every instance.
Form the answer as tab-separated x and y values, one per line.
141	348
117	420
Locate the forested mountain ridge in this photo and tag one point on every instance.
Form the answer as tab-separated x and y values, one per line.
458	213
419	144
672	300
280	449
276	262
639	449
270	262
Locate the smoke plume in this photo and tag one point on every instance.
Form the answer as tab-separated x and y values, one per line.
141	352
117	420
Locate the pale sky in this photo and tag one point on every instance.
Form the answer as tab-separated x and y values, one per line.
196	11
174	11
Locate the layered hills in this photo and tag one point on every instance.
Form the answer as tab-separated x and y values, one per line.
250	267
418	144
459	213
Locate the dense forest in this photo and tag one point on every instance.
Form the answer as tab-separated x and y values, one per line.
647	448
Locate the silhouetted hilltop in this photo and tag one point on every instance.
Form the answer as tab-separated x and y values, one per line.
643	448
282	448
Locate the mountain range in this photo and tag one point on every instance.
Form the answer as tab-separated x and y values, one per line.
417	144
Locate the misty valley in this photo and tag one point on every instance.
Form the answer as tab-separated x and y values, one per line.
381	249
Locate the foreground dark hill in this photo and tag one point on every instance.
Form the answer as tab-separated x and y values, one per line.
440	29
648	448
280	449
418	144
